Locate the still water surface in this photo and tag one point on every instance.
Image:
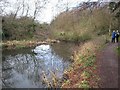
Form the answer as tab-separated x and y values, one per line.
23	68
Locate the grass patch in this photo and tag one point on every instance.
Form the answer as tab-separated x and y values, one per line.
88	61
85	63
85	74
72	36
118	50
84	84
20	46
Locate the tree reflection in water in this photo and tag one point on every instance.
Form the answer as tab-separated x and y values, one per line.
25	70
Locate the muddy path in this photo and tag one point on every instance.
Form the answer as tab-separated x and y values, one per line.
108	66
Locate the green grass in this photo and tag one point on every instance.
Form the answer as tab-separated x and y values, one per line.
85	74
84	84
89	61
118	50
20	46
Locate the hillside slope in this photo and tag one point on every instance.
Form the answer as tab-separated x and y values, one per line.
83	24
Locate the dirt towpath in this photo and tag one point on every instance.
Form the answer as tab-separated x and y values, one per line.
108	66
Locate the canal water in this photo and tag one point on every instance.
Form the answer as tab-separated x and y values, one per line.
24	68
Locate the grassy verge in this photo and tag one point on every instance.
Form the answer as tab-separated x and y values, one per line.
118	50
83	73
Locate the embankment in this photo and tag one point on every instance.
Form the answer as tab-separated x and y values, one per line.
25	43
83	72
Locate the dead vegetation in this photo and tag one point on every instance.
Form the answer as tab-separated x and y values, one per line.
83	73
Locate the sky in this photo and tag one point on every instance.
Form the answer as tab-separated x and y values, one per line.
50	10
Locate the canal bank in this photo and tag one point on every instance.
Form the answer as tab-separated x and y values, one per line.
83	72
25	43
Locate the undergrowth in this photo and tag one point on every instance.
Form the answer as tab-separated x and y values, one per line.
83	73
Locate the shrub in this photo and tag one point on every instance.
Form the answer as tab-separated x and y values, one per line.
21	28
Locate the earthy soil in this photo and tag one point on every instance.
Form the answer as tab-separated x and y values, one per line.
108	66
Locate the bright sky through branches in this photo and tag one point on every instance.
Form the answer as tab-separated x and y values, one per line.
50	10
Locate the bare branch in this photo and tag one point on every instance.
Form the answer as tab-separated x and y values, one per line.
39	5
17	8
27	10
23	7
3	5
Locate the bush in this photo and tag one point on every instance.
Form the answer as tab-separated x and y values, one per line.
21	28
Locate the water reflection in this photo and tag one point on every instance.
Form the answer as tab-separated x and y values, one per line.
25	70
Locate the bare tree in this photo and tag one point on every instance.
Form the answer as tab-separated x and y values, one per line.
23	7
62	5
3	5
27	10
17	9
39	5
